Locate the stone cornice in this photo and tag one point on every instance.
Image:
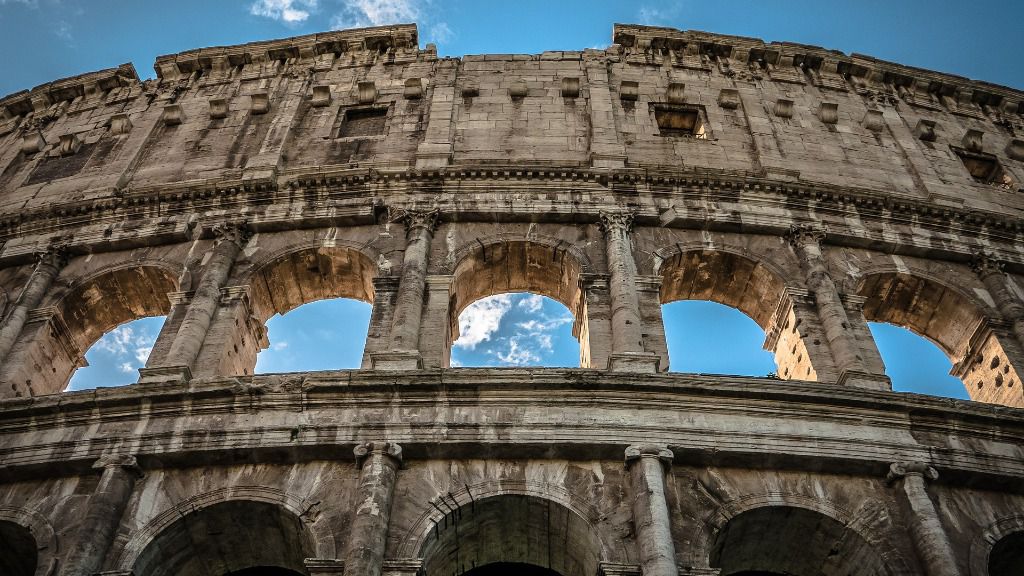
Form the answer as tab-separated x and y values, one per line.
347	197
871	70
298	398
91	84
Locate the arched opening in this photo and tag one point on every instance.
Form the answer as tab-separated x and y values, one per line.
18	556
52	345
115	359
495	535
511	569
501	269
322	335
792	541
316	305
237	538
914	363
711	338
1007	556
954	324
741	284
518	329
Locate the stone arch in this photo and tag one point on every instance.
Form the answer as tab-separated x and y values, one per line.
511	527
29	533
1006	530
539	265
984	354
420	532
287	278
867	549
56	337
276	509
757	288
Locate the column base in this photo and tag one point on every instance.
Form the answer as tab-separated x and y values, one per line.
615	569
165	374
402	567
865	380
397	360
324	566
635	362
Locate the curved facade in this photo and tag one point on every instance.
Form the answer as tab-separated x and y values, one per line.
812	190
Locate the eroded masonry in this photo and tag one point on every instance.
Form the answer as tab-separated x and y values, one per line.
813	190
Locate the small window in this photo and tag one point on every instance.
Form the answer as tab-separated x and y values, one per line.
984	168
680	121
362	122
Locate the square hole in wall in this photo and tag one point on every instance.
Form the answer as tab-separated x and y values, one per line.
984	168
362	122
686	121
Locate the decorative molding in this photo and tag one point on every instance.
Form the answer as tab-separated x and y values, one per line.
899	470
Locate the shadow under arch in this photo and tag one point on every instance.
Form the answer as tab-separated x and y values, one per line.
55	345
952	320
28	544
753	287
512	529
999	549
537	266
782	539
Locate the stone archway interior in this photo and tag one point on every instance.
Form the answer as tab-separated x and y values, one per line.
18	554
512	532
309	275
1007	556
511	569
792	541
236	538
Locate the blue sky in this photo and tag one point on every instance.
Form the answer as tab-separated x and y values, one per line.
47	39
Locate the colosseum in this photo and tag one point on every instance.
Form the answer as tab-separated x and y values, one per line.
812	190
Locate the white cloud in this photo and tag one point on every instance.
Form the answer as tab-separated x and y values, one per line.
129	348
126	367
363	13
481	319
531	303
518	355
279	346
142	354
117	340
287	11
440	33
661	16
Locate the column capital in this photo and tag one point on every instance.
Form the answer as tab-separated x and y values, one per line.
125	461
659	451
415	220
236	232
367	449
985	263
616	569
56	255
615	221
898	470
806	234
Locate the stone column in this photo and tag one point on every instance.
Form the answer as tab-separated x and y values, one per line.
647	466
930	540
852	370
382	316
593	327
231	237
379	462
405	328
1010	307
47	267
653	331
102	515
627	328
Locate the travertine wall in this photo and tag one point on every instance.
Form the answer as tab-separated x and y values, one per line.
812	190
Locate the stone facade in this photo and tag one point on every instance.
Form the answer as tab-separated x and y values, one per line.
812	190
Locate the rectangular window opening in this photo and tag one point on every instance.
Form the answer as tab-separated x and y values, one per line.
680	121
985	168
363	122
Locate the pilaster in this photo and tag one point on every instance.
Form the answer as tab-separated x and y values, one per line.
436	334
234	338
648	290
647	465
378	337
930	539
102	514
593	327
794	336
436	149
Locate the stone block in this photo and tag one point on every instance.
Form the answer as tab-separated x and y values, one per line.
629	90
1015	149
69	144
783	108
366	92
321	96
259	103
828	112
873	120
413	89
925	130
120	124
570	87
676	93
729	98
218	108
32	142
972	140
172	115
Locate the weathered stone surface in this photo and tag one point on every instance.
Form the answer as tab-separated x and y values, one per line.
813	191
